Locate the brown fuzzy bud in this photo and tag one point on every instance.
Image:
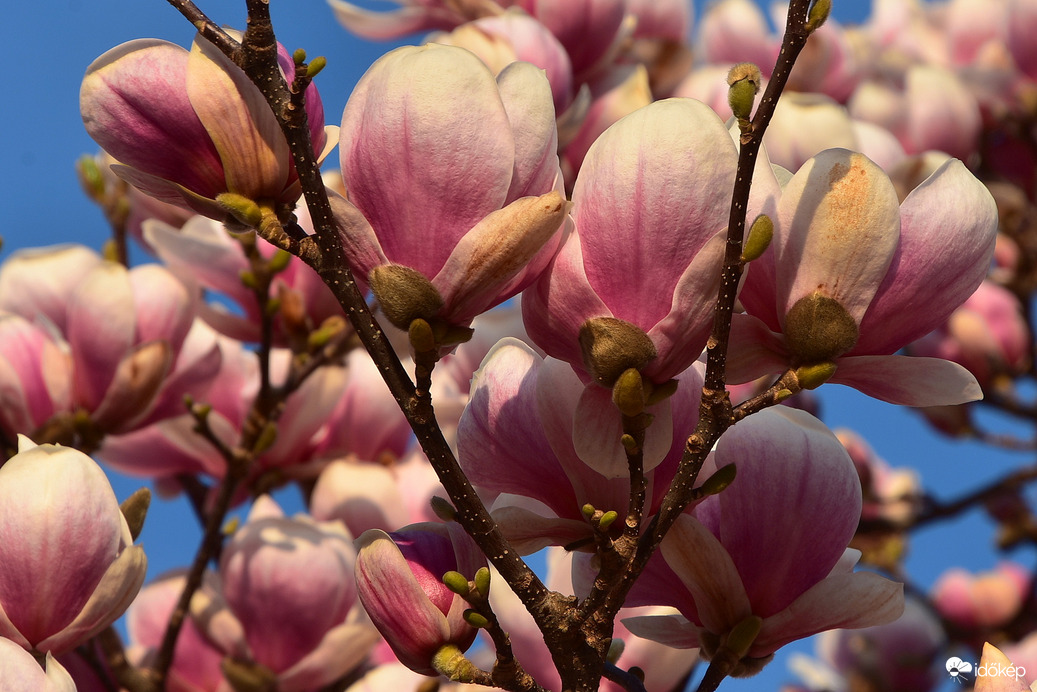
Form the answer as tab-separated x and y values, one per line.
404	294
819	329
610	346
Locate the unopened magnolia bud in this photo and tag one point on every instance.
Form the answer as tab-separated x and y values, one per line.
315	66
404	294
721	478
456	582
758	239
475	619
607	518
818	329
241	208
628	394
248	677
135	508
610	346
482	581
743	81
819	12
442	508
813	376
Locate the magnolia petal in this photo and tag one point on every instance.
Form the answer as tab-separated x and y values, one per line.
706	569
41	281
244	130
420	169
839	219
650	194
598	427
848	601
386	26
101	330
993	677
501	443
755	350
680	336
21	672
362	496
526	95
134	104
909	380
110	599
778	559
671	630
360	245
343	648
562	299
134	386
944	253
164	305
305	412
530	527
491	255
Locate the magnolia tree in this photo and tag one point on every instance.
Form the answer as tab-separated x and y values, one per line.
568	290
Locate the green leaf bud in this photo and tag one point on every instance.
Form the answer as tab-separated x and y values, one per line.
661	392
818	14
758	239
743	81
422	340
815	375
279	262
607	518
482	581
475	619
457	582
442	508
315	66
720	479
299	56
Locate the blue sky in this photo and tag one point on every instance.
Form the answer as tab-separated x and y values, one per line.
50	45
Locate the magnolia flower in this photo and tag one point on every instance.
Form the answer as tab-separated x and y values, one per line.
852	276
455	207
996	673
522	443
399	577
68	566
35	376
22	673
982	601
285	600
764	562
189	126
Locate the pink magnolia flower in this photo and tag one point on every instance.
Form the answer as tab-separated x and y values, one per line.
848	258
770	546
894	495
40	282
68	566
982	601
207	253
513	36
522	443
285	599
35	376
464	197
196	662
987	335
188	126
667	166
399	579
21	672
413	17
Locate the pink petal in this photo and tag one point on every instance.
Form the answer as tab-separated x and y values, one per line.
948	227
420	169
909	380
840	224
526	95
41	281
384	26
671	630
